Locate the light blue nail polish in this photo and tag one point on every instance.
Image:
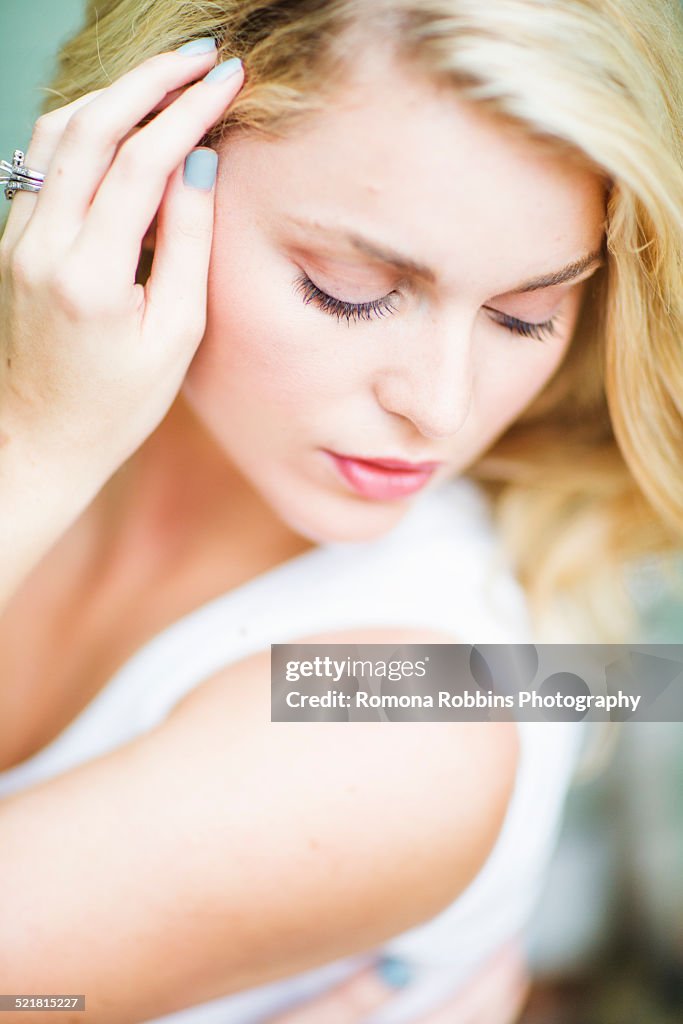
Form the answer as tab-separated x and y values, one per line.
224	70
395	972
200	169
203	45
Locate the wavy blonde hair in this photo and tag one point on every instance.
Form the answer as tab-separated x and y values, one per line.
591	474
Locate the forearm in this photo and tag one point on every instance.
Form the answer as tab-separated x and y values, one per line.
40	497
209	920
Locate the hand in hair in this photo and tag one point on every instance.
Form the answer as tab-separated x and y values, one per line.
90	360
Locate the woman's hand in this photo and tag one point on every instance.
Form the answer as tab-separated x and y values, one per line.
90	361
495	994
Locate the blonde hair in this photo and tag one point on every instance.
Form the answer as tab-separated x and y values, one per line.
591	474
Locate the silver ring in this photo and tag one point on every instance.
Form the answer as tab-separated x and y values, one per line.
17	177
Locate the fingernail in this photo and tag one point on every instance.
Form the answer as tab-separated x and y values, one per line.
200	169
224	70
395	972
202	45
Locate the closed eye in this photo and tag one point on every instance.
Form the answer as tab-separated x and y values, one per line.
380	307
339	307
539	331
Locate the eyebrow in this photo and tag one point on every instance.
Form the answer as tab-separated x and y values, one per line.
404	263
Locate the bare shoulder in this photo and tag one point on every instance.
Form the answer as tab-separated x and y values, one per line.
221	850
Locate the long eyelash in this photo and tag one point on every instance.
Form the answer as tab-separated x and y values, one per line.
340	308
540	332
379	307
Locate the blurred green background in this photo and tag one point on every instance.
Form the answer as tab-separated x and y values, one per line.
30	34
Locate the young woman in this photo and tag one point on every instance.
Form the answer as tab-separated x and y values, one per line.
444	232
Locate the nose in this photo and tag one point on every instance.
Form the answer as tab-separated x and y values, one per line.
429	380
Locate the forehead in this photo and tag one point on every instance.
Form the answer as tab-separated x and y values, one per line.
429	174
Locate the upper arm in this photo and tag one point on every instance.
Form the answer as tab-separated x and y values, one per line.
221	851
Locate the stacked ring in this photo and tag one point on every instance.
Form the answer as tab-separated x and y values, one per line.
17	177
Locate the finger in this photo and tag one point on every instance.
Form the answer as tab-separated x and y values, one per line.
348	1003
46	134
175	294
90	138
139	175
496	993
495	1006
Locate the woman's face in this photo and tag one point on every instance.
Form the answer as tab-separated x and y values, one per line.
433	370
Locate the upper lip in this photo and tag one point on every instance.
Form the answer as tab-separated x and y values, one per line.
391	463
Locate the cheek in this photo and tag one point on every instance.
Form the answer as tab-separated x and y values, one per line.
513	383
507	388
263	352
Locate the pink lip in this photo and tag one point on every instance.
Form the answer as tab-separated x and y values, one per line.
380	480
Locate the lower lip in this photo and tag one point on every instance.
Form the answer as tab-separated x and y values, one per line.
373	481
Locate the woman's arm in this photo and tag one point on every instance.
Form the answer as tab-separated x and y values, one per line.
90	361
222	851
40	497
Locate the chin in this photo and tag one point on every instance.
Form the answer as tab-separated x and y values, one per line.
344	520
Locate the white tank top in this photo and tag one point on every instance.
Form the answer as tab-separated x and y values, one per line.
441	567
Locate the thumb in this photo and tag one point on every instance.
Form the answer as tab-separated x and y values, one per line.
352	1000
